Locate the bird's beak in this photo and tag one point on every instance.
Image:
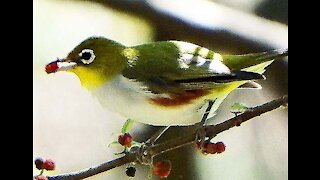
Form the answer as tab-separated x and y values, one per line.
59	65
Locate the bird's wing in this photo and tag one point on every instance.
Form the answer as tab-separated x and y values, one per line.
174	66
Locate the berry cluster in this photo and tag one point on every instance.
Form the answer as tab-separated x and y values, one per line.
212	148
42	164
161	168
47	164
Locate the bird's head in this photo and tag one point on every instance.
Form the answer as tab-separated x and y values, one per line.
96	61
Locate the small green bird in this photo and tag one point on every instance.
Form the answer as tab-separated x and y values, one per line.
163	83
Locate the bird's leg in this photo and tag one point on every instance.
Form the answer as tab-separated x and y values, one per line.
142	153
157	135
201	133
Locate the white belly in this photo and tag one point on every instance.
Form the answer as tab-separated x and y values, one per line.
127	99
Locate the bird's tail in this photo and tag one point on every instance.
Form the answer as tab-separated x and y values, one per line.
246	61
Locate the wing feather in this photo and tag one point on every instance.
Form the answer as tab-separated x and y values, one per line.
174	67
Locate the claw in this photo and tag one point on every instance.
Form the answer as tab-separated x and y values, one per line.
143	155
201	138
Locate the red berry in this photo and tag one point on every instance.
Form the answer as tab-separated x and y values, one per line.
48	165
210	148
41	177
52	67
39	162
220	147
125	139
162	168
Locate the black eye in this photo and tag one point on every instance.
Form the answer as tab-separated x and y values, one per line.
87	56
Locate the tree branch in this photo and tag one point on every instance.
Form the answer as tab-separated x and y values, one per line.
211	130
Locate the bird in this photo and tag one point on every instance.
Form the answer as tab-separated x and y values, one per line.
162	83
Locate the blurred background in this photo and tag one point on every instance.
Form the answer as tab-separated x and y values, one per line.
70	126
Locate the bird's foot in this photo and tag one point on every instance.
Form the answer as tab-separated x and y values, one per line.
201	135
201	138
143	154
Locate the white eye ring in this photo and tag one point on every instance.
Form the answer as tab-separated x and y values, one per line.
89	59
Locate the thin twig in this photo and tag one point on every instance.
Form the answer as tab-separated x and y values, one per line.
211	130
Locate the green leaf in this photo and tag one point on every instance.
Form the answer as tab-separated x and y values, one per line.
237	108
127	125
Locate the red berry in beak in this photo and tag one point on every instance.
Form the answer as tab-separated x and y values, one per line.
52	67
